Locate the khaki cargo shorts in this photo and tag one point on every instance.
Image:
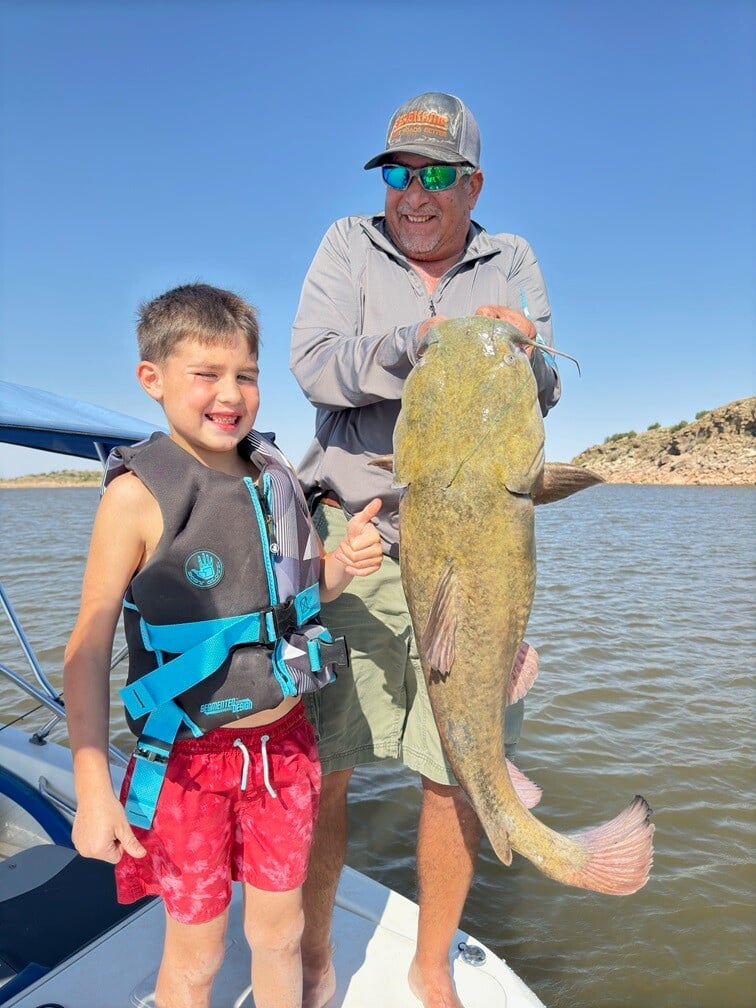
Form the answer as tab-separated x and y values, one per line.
379	708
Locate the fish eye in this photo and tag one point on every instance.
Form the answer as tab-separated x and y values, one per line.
424	344
509	358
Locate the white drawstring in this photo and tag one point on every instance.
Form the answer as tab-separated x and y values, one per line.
245	753
266	770
266	775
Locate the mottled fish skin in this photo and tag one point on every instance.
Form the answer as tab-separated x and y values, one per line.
469	449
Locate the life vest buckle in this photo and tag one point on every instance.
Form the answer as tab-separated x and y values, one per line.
335	652
279	620
153	750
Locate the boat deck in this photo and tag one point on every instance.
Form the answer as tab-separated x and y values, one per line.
373	951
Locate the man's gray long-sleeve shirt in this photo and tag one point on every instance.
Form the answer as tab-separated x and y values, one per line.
354	343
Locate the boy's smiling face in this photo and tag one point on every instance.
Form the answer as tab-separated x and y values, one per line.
210	395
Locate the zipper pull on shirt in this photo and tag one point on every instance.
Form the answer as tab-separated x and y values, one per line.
267	510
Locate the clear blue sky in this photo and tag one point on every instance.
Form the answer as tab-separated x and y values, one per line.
147	144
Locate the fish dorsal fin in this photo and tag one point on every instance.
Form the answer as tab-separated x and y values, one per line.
437	643
562	480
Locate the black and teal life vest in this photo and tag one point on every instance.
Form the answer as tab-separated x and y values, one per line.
221	620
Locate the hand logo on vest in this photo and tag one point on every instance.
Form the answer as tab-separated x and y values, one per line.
203	569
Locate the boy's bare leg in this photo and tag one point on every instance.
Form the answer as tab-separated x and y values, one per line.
326	861
192	956
448	840
273	923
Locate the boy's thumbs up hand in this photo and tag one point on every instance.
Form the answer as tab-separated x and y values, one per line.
361	552
360	522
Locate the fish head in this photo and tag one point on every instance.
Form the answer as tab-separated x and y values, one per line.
471	402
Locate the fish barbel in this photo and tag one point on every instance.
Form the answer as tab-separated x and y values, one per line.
469	450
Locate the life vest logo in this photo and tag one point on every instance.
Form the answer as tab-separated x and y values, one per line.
231	706
204	569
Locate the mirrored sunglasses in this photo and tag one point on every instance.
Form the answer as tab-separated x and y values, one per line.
433	178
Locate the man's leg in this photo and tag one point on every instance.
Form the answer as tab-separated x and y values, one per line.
514	715
319	891
448	840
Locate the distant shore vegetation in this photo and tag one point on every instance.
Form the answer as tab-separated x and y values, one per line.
61	477
652	427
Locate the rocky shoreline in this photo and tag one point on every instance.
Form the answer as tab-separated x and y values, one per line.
718	448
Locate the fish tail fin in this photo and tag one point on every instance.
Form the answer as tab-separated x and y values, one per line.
528	792
619	852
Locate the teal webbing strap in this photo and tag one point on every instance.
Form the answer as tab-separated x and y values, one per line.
176	638
180	674
150	762
144	791
194	665
314	654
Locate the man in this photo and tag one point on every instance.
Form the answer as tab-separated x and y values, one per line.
374	288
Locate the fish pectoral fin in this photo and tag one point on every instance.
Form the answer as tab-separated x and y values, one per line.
562	480
438	639
503	849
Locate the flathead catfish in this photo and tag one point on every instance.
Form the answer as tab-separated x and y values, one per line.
469	448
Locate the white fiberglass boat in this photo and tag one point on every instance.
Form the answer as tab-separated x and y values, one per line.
64	940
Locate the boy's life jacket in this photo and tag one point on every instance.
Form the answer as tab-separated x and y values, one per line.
220	621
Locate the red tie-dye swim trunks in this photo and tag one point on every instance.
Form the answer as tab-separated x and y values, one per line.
236	804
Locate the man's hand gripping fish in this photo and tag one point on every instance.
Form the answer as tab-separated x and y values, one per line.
468	448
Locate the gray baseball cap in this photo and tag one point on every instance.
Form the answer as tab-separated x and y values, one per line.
434	125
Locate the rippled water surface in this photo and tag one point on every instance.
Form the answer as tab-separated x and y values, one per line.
645	620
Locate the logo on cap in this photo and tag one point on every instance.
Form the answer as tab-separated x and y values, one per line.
419	121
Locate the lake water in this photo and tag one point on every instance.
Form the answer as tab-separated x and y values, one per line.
645	621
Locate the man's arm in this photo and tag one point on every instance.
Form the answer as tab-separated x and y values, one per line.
530	311
336	365
534	304
547	379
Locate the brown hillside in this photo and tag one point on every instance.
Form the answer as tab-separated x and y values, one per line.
717	449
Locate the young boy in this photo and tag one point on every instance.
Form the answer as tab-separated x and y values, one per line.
203	537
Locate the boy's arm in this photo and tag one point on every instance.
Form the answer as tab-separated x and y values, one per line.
116	550
358	555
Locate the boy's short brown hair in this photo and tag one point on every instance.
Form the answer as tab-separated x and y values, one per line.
205	313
